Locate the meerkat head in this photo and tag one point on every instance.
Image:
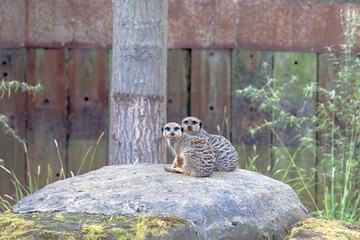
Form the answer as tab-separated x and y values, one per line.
172	130
191	124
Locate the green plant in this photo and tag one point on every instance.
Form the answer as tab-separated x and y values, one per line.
6	88
32	186
336	125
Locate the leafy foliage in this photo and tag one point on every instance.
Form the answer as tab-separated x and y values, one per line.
336	123
8	87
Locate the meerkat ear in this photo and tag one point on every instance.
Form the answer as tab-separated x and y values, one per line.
200	124
162	129
182	129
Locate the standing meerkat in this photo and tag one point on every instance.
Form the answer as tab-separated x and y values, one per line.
193	155
226	157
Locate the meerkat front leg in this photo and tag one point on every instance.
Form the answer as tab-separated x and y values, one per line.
174	170
174	164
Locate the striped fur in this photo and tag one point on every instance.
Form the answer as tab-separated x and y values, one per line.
194	156
226	157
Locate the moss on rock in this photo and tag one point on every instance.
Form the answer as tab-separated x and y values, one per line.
84	226
312	228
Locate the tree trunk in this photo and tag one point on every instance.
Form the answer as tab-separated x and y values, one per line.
138	84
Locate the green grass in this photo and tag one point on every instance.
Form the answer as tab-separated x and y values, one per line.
336	125
23	190
6	89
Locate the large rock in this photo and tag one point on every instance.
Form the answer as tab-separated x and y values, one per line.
227	205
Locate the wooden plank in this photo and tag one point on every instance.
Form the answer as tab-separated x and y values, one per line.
210	88
191	23
178	84
87	109
250	68
13	23
327	73
284	25
304	67
46	119
92	22
12	67
49	23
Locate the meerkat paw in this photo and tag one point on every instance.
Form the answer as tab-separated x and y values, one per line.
171	169
174	170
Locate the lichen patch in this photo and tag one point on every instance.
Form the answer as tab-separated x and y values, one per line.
83	226
324	229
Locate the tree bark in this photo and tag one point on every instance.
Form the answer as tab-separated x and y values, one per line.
138	84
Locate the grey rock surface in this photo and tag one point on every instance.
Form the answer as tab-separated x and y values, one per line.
227	205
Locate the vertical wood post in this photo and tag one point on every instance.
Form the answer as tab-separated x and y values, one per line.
87	109
304	67
248	69
12	67
210	88
47	113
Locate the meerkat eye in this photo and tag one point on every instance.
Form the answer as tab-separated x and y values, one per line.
194	123
167	129
186	122
176	129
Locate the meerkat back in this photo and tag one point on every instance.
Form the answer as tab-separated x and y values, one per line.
199	157
226	157
225	154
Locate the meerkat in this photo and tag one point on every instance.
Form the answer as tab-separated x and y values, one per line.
193	155
226	157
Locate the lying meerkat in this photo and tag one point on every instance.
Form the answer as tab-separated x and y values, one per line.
193	155
226	157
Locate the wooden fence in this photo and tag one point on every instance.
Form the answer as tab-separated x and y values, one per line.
72	108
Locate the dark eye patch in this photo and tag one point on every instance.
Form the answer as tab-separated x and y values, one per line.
194	122
186	122
167	129
176	129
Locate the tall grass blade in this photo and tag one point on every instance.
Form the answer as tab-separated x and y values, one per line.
294	165
61	165
84	159
93	155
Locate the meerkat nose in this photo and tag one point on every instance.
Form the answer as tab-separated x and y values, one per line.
189	127
172	134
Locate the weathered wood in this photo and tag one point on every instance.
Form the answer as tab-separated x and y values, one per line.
269	25
13	23
250	68
327	73
92	22
87	109
304	67
138	84
49	23
46	115
12	67
178	85
210	88
285	25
